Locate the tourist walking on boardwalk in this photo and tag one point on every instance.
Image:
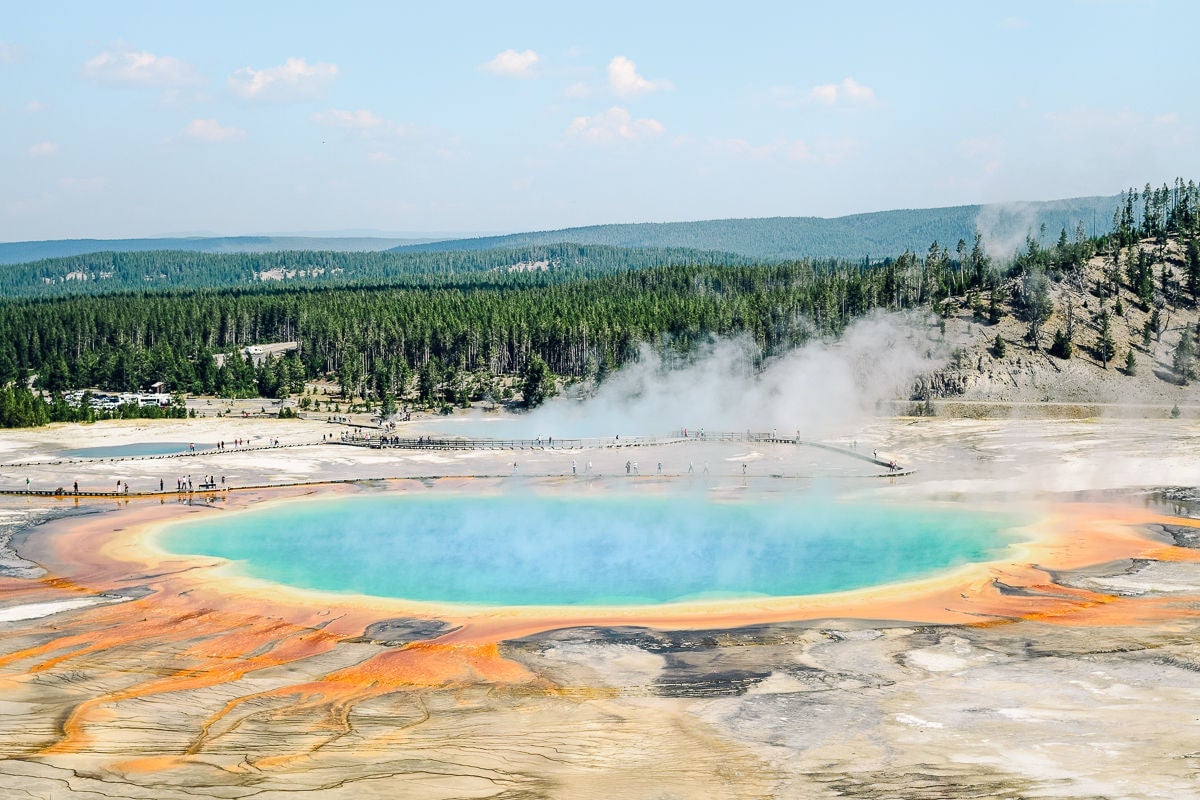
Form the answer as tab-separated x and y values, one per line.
691	468
573	465
627	467
743	469
76	487
705	467
160	484
660	468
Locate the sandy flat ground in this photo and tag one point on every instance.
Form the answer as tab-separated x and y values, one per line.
1068	672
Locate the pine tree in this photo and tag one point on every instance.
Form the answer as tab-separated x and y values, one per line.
1183	360
993	307
1130	362
1062	347
998	347
1106	348
1032	303
537	384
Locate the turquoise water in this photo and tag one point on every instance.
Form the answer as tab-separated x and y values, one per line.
528	550
136	449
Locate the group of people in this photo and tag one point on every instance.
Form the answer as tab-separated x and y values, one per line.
184	484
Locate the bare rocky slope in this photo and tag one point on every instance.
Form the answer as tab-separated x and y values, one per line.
1026	373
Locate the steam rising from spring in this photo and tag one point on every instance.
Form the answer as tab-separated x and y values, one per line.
1004	227
818	389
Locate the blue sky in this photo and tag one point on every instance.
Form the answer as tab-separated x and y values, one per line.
143	119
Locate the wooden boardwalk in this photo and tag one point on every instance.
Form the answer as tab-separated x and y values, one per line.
385	442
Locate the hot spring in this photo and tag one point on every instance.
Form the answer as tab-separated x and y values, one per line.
135	449
587	551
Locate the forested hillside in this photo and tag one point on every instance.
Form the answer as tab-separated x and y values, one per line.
876	235
382	334
96	273
20	252
444	335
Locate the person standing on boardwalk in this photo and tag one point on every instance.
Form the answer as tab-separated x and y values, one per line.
76	487
160	484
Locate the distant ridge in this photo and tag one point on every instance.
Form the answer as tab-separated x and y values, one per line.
21	252
877	234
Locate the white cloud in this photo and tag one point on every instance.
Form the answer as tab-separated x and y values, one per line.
356	120
11	53
293	80
578	90
848	91
366	122
827	94
512	64
209	130
33	107
128	67
43	149
624	79
614	124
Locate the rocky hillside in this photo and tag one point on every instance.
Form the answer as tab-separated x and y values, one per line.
1147	323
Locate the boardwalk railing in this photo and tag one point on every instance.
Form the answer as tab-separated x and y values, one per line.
464	443
378	441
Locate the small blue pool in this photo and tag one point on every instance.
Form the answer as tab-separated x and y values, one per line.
136	449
